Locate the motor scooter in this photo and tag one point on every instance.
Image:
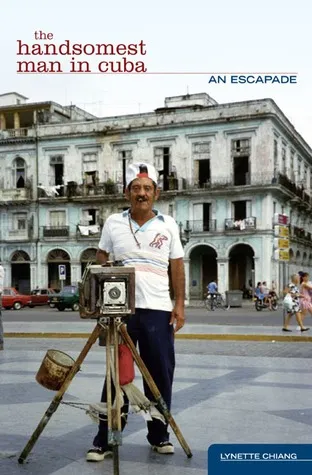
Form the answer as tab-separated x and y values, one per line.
260	304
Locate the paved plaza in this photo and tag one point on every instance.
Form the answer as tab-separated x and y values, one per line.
224	392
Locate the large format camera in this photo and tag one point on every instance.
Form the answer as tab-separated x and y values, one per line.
107	290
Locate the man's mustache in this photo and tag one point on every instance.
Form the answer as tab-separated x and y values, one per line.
141	198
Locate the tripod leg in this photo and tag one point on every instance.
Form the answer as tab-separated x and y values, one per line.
59	395
113	413
155	391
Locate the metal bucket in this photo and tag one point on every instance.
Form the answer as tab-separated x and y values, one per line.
54	369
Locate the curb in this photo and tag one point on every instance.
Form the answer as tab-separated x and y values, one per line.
185	336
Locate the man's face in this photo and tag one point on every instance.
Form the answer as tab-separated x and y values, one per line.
142	194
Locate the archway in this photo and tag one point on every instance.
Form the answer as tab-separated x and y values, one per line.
291	256
203	269
20	269
87	257
241	266
298	258
54	259
305	259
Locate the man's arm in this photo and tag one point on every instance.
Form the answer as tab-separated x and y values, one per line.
101	256
178	284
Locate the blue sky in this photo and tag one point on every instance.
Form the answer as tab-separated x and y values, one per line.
194	36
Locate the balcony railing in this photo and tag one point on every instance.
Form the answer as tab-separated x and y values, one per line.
18	235
56	231
200	226
14	133
246	224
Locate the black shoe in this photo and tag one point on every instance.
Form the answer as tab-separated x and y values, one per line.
305	329
164	448
97	454
286	330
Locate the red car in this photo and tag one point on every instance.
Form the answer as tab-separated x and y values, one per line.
12	299
41	297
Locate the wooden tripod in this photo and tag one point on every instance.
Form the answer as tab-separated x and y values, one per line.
114	327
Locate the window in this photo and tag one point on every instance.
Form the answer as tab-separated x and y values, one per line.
125	155
170	210
241	209
201	215
274	207
90	168
305	176
19	173
19	222
283	160
275	156
56	172
163	166
57	218
89	217
201	160
292	166
241	146
125	158
241	156
299	169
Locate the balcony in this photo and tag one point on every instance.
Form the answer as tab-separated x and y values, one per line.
15	194
15	133
247	224
55	231
17	235
200	226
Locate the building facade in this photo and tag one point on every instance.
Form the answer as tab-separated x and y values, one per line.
225	170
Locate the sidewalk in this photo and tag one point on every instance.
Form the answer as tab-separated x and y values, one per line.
190	331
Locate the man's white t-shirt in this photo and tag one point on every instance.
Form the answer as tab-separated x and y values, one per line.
159	241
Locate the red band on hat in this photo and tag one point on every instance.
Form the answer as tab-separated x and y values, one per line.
142	175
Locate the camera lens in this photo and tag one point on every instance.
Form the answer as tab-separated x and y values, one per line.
114	293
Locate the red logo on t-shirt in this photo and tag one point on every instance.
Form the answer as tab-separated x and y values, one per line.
158	240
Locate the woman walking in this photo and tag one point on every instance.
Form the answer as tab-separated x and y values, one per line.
305	290
294	308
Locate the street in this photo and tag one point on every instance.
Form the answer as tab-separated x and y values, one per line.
224	392
246	315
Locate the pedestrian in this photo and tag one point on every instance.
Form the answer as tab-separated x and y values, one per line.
1	292
305	289
293	294
144	238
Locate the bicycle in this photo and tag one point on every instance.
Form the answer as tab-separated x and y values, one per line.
215	301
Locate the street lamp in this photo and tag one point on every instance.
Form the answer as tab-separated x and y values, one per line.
185	233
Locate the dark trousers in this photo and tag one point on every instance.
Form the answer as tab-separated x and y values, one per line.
149	329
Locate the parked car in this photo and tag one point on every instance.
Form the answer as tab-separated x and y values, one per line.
11	298
41	297
67	298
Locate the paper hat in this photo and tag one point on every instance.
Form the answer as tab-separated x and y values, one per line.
140	170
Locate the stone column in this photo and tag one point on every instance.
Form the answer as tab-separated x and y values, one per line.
257	269
2	122
33	276
16	120
187	281
7	275
75	272
223	274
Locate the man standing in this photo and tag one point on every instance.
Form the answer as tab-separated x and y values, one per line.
147	240
1	291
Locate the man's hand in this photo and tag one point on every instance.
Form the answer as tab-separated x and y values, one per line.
177	317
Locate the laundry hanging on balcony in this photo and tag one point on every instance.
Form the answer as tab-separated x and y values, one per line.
88	230
51	190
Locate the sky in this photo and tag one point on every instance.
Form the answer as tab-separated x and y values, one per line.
197	37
